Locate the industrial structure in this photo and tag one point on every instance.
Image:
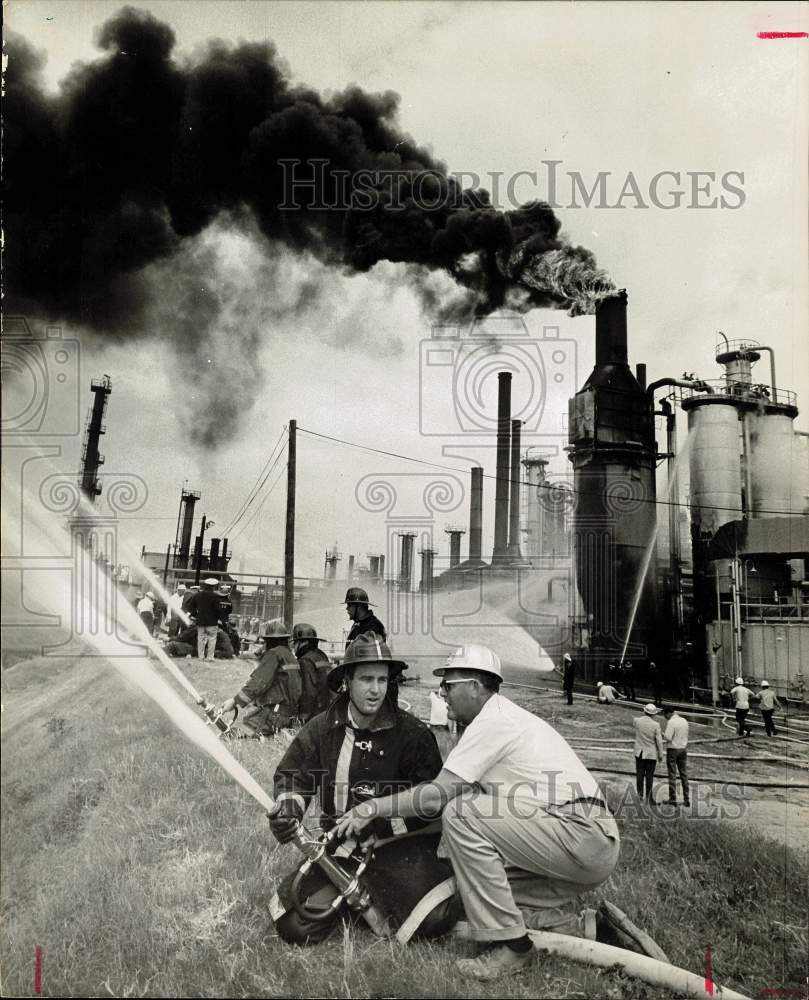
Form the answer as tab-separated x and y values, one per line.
91	458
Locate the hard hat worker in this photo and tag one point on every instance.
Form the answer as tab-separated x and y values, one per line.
314	666
768	702
358	609
741	695
146	610
205	609
524	823
568	676
361	747
270	700
648	749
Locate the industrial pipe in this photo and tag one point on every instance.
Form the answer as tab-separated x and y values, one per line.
650	970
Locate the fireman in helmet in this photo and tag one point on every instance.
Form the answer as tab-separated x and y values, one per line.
270	700
358	609
314	666
361	747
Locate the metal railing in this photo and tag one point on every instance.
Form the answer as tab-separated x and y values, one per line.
723	388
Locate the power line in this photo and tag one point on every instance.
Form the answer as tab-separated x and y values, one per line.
256	488
261	505
525	482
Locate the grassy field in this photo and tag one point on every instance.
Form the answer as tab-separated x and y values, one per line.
140	869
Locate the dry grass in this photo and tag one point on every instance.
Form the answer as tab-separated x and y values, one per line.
142	870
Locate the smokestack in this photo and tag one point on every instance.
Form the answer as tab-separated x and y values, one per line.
640	374
213	556
514	509
476	516
406	565
454	548
373	566
382	567
223	558
427	569
350	568
188	500
500	552
611	330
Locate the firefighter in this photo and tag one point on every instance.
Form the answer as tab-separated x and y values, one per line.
270	700
315	667
361	747
358	609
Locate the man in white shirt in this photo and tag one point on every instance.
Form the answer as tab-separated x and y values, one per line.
769	702
173	610
524	823
146	610
741	696
676	739
606	694
648	749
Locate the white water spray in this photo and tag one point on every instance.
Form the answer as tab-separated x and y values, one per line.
650	550
110	626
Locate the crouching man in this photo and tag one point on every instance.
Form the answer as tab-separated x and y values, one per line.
363	746
524	823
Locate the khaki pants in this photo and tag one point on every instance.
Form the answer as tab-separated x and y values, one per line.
511	856
206	640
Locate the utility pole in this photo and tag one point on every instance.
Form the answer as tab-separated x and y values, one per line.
289	542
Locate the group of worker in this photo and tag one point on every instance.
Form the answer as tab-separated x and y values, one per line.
509	830
648	752
768	702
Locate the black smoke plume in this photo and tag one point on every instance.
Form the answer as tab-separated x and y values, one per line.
138	152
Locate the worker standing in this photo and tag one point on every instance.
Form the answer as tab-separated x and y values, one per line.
656	683
676	739
741	696
358	609
648	750
568	676
204	608
146	611
769	702
173	610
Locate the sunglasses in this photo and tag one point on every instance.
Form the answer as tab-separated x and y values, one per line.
445	685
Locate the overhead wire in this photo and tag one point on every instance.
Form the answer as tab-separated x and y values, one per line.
525	482
257	486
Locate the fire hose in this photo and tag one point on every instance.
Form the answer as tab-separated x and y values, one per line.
349	888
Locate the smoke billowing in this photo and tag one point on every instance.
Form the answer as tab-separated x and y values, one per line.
140	152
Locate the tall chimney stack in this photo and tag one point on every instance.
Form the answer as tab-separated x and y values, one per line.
500	553
514	552
476	516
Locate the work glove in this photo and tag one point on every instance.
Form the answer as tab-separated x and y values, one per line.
284	821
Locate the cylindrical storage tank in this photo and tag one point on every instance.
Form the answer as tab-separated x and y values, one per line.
772	440
714	462
799	474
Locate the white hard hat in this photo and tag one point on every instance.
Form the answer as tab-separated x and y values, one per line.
567	656
181	586
472	657
211	581
650	708
600	684
740	680
765	684
149	593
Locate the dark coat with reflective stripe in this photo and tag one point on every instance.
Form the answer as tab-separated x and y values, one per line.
369	624
274	688
399	751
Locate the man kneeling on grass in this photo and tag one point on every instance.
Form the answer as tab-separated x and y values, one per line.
362	746
524	823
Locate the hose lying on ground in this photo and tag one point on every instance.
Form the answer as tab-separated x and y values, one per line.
650	970
710	756
743	783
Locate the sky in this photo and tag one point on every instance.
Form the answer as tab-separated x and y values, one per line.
632	89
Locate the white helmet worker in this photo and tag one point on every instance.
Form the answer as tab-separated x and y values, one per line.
764	684
472	656
740	680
